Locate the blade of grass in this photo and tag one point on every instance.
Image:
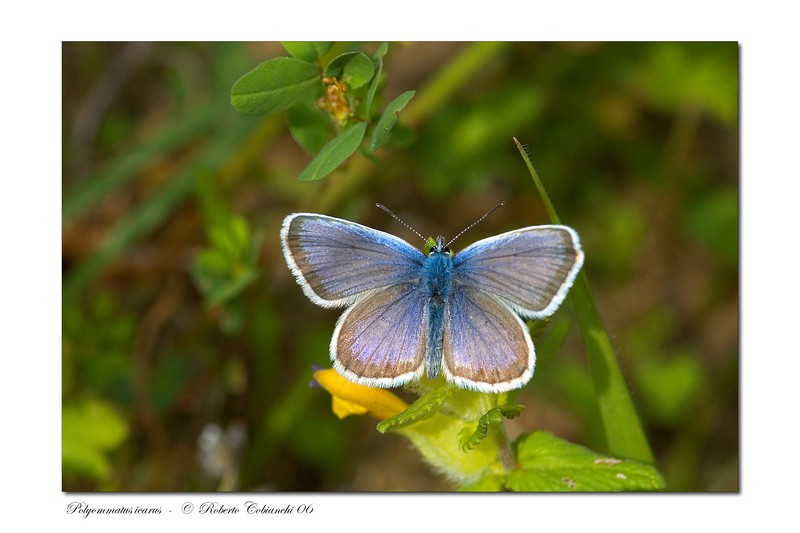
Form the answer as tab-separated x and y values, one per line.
152	212
119	171
624	434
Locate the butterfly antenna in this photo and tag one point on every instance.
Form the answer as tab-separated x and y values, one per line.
397	218
489	212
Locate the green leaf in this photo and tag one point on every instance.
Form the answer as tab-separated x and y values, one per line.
388	119
335	152
220	281
358	71
276	85
307	50
228	266
381	51
89	430
353	68
309	126
550	464
425	405
240	234
377	60
231	237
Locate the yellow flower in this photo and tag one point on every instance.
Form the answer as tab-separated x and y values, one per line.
335	100
437	435
353	399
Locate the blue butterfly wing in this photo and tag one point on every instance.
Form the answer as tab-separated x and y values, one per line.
531	269
528	272
336	261
486	346
381	340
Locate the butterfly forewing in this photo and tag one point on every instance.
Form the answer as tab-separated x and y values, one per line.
530	268
335	260
486	346
380	341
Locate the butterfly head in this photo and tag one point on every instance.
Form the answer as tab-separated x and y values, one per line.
437	246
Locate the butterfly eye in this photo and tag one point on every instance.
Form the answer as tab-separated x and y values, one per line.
445	250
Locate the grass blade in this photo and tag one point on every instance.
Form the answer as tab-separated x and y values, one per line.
624	434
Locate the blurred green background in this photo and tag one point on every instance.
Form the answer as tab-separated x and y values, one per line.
188	347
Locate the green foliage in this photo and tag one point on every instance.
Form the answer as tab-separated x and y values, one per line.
96	384
334	153
679	75
275	85
547	463
355	69
388	120
348	85
309	126
90	430
95	347
442	418
423	407
228	265
306	50
550	464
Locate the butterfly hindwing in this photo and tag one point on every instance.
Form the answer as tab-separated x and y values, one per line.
380	341
486	346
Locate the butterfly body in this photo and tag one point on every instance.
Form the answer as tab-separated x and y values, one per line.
435	284
409	313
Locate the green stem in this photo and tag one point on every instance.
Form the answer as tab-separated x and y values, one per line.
449	80
548	205
624	434
504	451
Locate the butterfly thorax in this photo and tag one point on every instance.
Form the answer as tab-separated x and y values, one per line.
437	272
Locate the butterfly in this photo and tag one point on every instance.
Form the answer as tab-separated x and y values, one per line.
408	313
